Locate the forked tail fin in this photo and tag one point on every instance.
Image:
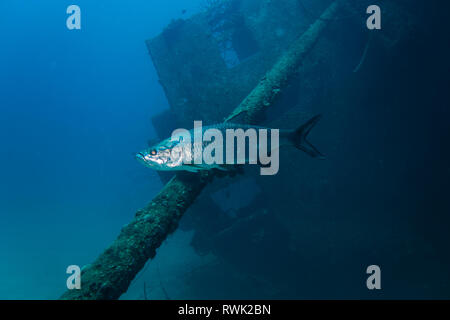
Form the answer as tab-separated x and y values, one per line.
298	138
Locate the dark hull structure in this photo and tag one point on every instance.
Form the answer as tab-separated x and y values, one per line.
247	61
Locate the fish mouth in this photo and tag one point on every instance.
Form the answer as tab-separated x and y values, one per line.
140	157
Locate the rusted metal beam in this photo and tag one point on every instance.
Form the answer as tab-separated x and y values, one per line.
109	276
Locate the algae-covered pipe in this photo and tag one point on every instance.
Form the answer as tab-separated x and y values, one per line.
109	276
264	94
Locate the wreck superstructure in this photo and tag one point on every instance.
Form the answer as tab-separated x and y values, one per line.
274	61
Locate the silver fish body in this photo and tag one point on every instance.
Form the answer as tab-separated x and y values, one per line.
186	153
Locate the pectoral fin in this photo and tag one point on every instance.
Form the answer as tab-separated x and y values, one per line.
192	168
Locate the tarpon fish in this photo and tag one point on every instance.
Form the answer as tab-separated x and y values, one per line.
181	153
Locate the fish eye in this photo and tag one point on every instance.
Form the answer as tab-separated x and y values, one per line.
153	152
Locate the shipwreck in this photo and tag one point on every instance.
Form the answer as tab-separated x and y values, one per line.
239	60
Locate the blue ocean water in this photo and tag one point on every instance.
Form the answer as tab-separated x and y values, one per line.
76	105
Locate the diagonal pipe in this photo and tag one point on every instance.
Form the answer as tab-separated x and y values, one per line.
109	276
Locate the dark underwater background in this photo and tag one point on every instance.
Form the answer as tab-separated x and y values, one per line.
76	105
